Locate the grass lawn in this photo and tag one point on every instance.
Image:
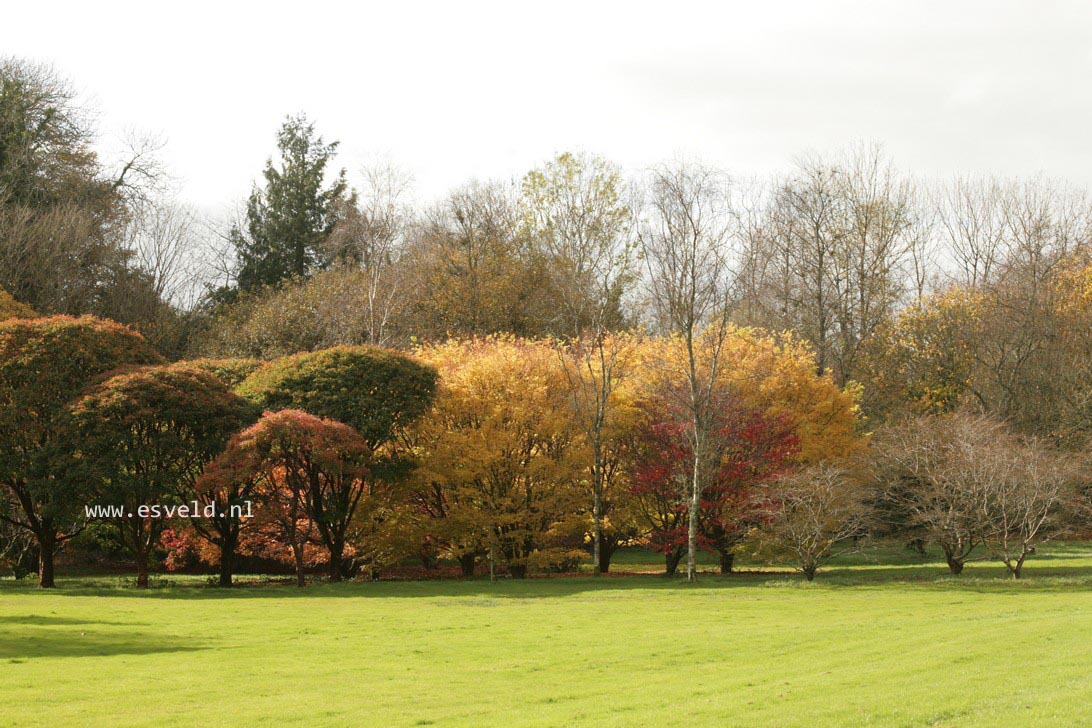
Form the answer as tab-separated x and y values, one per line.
883	640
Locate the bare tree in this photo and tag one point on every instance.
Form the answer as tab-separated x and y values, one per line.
687	240
813	515
164	239
138	175
1044	221
1021	503
932	473
841	244
969	480
971	228
1017	238
52	258
372	237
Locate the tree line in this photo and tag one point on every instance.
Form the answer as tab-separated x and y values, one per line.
484	452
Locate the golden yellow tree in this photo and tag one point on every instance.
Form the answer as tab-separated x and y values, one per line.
774	373
923	361
501	458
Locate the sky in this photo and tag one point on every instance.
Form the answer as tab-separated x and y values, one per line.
456	90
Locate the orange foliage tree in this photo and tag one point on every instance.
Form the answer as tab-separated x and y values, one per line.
308	475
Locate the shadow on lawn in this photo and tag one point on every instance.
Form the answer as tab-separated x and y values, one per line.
38	620
980	577
35	637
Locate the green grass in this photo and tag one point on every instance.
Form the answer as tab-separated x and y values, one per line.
880	639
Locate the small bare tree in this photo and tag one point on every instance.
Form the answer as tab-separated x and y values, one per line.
967	480
1021	503
932	472
812	516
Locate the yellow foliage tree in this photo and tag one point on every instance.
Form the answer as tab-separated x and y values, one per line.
923	362
501	458
776	375
1073	292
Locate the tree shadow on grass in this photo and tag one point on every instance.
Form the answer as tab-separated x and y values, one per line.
1040	578
42	620
45	637
1062	566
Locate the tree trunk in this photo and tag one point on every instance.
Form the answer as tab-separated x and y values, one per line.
671	562
297	555
809	572
337	559
727	562
429	560
606	552
227	562
334	569
47	547
142	547
466	563
955	566
597	510
597	537
692	528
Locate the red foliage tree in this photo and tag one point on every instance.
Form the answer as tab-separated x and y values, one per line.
751	448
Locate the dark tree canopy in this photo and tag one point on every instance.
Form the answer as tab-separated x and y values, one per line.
143	438
44	364
290	218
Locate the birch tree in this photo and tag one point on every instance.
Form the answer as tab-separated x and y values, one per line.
372	239
687	245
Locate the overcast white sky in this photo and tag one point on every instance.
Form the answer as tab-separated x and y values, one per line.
454	90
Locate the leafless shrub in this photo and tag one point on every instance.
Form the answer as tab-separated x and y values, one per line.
812	516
